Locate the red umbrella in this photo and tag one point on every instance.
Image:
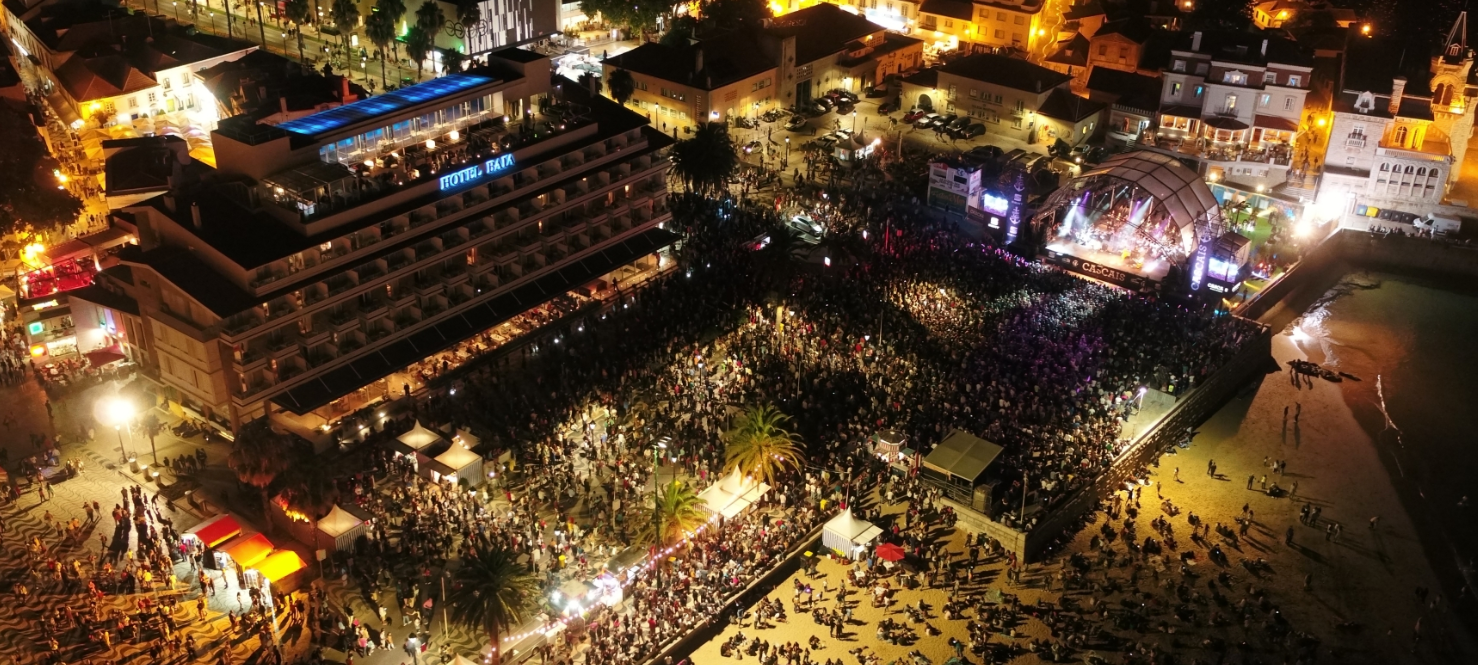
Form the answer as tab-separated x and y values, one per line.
890	552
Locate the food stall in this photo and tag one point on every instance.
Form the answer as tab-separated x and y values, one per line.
847	535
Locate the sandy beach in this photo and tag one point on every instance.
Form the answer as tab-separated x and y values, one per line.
1365	577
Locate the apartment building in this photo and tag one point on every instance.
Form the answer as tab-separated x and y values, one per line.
1011	97
324	259
114	66
899	15
1015	24
786	61
1237	100
1398	135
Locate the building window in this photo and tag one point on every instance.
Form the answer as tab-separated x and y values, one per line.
1175	90
949	23
1001	16
1293	81
1123	52
1288	104
1020	21
1103	49
1231	104
1000	34
1237	78
1201	68
133	102
1016	38
153	98
1199	89
187	80
1269	77
1179	66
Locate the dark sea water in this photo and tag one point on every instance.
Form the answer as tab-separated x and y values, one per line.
1414	344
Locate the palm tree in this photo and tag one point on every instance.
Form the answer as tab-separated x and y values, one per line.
780	257
309	489
431	21
680	512
298	12
706	161
395	9
621	85
151	427
759	444
491	592
418	46
346	18
468	16
380	29
259	456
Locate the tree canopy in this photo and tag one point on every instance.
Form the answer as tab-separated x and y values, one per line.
726	13
491	592
30	196
621	85
760	446
707	161
634	15
1221	15
681	512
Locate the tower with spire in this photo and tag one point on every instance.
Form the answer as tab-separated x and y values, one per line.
1453	92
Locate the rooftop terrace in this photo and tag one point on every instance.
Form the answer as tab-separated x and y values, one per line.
390	102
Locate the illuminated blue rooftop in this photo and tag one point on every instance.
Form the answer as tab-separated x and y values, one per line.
390	102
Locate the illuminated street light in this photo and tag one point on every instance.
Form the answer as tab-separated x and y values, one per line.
116	412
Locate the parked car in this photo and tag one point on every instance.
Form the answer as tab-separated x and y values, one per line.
824	103
973	130
887	107
929	120
878	92
984	152
959	123
796	123
843	108
912	116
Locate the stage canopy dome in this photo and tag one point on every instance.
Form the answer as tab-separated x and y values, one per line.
1178	188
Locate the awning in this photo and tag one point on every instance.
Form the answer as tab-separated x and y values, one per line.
459	458
281	564
216	530
248	552
1225	123
375	365
1275	123
732	495
104	356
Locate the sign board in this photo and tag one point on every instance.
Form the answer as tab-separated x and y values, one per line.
1115	276
476	172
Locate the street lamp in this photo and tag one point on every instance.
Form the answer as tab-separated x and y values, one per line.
116	411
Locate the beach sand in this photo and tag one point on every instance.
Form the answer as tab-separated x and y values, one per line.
1366	576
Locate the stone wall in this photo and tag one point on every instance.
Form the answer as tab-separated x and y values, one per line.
1190	410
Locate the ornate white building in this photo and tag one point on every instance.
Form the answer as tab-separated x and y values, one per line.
1398	142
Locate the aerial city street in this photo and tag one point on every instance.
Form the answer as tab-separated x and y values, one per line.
805	332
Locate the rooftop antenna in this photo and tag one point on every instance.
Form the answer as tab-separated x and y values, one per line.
1457	37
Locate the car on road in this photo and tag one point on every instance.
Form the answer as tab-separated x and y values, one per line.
796	123
985	152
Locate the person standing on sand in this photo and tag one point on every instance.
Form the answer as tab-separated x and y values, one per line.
1249	481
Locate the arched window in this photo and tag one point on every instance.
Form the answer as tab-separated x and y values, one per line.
1385	167
1421	172
1442	96
1401	138
1408	170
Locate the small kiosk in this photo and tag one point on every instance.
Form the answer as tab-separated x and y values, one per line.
849	536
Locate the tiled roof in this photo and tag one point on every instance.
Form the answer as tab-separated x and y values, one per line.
1005	71
1064	105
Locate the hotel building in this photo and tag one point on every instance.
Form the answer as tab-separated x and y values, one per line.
343	258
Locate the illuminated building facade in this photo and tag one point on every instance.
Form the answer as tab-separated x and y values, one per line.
1398	135
326	256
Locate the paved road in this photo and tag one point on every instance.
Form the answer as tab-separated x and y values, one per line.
211	19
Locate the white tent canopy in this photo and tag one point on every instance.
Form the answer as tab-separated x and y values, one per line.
419	437
463	463
733	494
342	526
845	533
